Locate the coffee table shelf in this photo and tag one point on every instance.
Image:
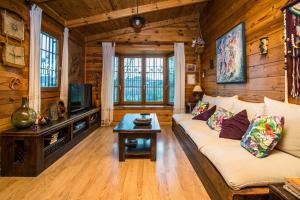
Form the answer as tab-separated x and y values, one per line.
142	148
127	130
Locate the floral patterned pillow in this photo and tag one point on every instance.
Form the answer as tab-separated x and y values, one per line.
215	121
200	107
262	135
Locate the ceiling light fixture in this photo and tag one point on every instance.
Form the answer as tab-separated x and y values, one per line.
136	21
198	43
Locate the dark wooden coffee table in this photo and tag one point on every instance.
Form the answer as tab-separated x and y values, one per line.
145	137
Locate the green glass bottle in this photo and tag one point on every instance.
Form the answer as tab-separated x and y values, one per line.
24	116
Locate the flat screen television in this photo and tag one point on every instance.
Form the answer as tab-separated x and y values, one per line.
80	97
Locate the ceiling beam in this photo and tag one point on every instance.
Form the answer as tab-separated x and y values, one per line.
52	13
106	35
127	12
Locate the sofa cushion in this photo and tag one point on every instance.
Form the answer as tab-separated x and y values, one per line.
206	115
199	132
210	99
290	141
203	138
253	109
215	121
235	127
182	117
200	107
240	169
263	135
225	102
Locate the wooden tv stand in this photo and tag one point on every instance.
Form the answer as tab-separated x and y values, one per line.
27	153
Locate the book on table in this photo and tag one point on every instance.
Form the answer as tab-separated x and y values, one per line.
292	185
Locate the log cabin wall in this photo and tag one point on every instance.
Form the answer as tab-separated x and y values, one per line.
10	100
54	28
265	74
183	32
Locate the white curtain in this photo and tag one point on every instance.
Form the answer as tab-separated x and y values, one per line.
107	86
64	86
34	59
179	96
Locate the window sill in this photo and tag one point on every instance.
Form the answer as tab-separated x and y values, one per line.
50	89
143	107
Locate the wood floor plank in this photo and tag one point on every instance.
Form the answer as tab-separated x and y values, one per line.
91	170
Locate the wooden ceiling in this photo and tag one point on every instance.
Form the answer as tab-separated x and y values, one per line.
78	14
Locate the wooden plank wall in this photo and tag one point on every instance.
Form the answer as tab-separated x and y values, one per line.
183	31
52	27
265	74
10	100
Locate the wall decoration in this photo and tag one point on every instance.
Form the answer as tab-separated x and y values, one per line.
231	56
13	56
75	63
61	108
24	116
292	47
15	83
12	27
53	111
191	79
190	68
263	45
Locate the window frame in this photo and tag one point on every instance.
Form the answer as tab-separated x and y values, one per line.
143	102
59	37
168	87
119	85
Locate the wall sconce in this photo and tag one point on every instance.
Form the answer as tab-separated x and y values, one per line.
263	45
203	74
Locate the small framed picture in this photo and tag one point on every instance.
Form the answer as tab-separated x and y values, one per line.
190	68
191	79
53	112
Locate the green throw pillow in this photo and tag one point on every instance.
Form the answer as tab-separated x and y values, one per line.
200	107
262	135
215	121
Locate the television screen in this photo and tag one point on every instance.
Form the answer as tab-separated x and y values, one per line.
76	97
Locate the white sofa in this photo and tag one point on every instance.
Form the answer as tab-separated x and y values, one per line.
236	165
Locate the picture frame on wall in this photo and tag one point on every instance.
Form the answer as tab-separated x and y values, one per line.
191	79
190	68
231	56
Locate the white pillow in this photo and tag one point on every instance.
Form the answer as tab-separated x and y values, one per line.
225	102
211	100
290	142
252	109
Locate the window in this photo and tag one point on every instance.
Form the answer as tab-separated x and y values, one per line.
154	79
48	61
132	79
116	80
144	80
171	74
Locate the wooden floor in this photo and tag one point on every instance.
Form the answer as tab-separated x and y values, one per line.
91	170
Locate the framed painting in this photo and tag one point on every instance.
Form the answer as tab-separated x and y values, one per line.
231	56
190	68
